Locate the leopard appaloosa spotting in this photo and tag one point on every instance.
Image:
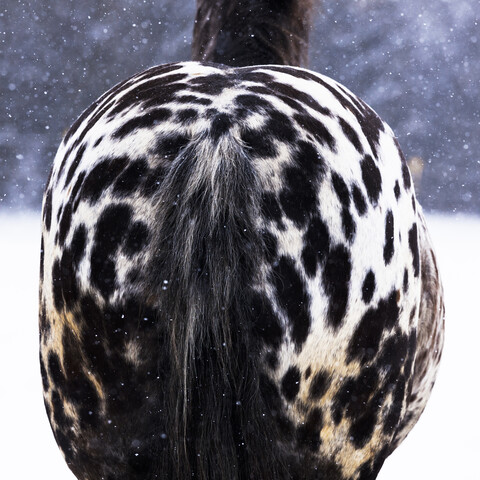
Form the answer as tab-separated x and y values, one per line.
236	277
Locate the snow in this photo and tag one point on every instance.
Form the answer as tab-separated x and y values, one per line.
443	445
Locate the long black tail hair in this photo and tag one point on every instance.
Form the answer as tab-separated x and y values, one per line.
216	421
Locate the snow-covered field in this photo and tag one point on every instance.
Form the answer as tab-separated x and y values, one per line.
443	445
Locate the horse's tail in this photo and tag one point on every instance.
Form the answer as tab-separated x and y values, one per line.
209	248
252	32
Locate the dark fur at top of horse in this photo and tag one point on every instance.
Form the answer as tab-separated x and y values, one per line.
248	32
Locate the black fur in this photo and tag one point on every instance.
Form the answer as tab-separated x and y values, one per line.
252	32
207	249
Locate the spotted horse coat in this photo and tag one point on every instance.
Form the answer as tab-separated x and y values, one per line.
236	281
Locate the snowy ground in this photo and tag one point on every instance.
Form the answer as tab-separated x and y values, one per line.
443	445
